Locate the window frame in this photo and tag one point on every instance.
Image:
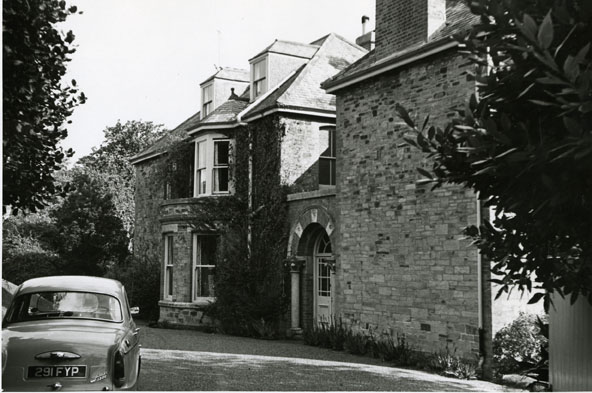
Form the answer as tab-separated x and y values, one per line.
207	106
195	258
331	159
261	80
207	169
169	266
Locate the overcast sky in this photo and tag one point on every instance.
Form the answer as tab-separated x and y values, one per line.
144	59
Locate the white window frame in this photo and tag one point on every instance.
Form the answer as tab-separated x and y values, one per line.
196	264
263	80
169	266
207	106
206	168
331	159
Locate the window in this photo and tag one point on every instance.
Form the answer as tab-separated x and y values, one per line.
259	78
204	264
200	168
221	155
328	156
207	98
169	262
212	163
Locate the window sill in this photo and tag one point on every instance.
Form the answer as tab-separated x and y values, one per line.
201	302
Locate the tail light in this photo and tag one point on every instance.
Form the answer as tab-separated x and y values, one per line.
118	370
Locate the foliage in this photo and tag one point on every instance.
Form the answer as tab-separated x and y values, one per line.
396	351
35	102
177	169
452	365
517	346
525	144
91	237
330	335
111	163
140	274
250	295
358	343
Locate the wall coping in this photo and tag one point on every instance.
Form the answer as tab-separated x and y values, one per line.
323	192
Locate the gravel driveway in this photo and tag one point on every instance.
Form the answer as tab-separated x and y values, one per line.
175	359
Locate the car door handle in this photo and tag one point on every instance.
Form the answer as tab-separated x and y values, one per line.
136	331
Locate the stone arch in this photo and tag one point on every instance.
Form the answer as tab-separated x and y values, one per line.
306	227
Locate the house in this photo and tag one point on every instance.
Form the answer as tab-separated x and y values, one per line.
366	243
281	88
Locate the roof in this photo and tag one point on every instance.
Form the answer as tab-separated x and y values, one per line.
229	73
289	48
72	283
226	112
458	19
303	90
161	145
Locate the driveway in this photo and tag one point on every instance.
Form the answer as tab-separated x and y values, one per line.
185	360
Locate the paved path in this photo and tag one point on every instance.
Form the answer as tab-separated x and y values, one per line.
185	360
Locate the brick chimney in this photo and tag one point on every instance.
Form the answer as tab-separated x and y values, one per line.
403	23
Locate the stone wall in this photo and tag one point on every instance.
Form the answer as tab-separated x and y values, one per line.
300	152
403	265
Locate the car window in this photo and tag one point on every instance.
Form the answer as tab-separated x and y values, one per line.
64	304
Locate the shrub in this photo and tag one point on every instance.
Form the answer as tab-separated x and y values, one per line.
517	346
449	364
398	352
358	343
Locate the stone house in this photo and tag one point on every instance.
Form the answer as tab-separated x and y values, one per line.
283	84
367	244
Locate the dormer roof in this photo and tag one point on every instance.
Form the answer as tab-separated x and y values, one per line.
289	48
302	91
229	73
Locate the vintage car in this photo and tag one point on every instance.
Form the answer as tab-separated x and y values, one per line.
70	333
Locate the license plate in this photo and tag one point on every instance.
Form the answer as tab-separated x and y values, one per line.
56	371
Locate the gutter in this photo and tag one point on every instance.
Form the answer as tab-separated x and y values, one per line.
388	64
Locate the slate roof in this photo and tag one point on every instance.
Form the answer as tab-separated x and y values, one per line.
458	19
290	48
303	90
162	144
225	113
230	73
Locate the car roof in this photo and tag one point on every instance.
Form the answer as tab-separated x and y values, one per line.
72	283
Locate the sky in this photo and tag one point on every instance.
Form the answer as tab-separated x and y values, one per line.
144	59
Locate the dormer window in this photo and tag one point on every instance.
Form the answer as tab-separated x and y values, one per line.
259	77
207	99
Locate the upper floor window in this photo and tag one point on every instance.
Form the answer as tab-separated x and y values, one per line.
204	265
327	158
212	166
207	99
259	77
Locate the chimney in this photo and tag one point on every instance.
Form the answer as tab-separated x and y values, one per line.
404	23
366	40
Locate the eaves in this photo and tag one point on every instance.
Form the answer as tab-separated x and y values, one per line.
390	63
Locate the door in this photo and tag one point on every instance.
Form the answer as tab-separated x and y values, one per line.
323	280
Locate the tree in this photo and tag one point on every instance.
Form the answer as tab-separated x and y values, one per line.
92	238
111	161
35	102
525	143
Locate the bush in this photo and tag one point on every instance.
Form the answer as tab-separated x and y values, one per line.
452	365
398	352
517	346
358	343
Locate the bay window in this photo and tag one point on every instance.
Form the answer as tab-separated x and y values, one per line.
204	265
212	165
169	262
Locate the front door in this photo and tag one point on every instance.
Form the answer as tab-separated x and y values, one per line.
323	280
